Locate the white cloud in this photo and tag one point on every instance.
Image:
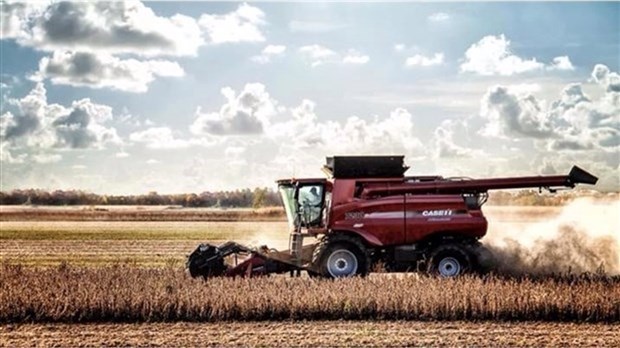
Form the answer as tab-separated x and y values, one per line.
445	147
243	114
439	17
14	18
524	88
269	52
152	161
604	77
39	125
241	25
399	47
274	49
108	27
125	27
316	51
314	26
392	134
511	113
355	57
317	54
492	56
574	122
104	71
7	156
561	63
158	138
420	60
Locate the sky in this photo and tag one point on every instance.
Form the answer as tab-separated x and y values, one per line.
133	97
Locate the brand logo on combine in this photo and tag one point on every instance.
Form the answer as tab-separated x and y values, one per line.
437	213
353	215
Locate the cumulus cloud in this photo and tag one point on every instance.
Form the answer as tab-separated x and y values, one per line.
14	18
253	112
355	57
110	27
105	71
158	138
511	113
561	63
268	53
492	56
604	77
302	128
37	124
423	61
445	147
82	127
573	122
125	27
391	134
241	25
93	34
245	113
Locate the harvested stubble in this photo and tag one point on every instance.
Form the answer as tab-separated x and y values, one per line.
128	294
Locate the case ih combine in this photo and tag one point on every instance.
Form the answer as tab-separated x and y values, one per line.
368	212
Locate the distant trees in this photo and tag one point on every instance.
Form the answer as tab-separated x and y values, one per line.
246	198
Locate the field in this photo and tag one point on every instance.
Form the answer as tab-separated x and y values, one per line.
96	280
313	334
129	294
53	235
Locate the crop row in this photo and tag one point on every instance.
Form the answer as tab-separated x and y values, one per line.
130	294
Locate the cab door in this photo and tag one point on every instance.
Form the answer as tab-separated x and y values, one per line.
310	200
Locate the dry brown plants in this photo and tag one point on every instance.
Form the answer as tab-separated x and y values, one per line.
128	294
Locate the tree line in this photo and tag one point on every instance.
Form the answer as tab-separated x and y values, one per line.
244	198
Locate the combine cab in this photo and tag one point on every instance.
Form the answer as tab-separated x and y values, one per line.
367	212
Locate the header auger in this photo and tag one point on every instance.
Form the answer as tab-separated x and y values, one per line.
367	211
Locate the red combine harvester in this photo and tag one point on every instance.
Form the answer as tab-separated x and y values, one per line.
368	212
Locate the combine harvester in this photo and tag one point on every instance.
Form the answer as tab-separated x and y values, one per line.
368	212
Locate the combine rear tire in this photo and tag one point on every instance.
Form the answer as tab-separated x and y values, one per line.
450	260
341	256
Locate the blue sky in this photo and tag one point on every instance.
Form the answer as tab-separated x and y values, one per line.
191	96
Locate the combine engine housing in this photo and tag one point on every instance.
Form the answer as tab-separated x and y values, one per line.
367	212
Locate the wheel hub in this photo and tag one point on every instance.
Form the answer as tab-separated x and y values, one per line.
342	263
449	267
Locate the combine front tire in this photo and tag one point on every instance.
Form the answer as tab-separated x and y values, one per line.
341	256
451	260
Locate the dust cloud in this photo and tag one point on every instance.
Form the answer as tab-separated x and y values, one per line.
274	235
580	237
